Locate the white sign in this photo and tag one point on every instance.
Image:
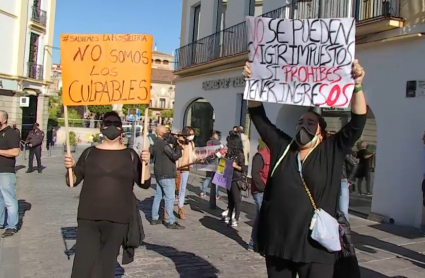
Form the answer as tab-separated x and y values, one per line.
303	62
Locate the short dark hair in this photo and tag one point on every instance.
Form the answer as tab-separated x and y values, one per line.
112	114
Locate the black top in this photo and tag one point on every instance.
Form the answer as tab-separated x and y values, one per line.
9	139
109	177
364	163
257	166
286	211
35	137
165	159
239	158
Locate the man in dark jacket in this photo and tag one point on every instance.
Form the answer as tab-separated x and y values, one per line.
34	140
349	170
214	141
166	151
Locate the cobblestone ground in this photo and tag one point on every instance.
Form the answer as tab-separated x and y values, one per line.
44	247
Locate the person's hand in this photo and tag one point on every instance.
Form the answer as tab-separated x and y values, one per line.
145	156
247	70
235	165
69	161
358	73
30	145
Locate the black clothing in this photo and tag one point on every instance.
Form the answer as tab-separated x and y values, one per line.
234	194
165	159
17	132
280	268
37	152
287	211
257	166
98	245
35	137
8	140
109	177
365	164
212	142
349	168
365	176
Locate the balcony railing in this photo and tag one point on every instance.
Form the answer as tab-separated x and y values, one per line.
232	41
39	16
35	71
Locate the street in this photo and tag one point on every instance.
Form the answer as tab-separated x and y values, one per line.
44	246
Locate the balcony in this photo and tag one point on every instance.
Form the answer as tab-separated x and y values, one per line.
229	46
35	71
39	16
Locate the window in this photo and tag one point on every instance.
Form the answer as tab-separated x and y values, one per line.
157	61
196	20
221	15
255	7
162	103
165	62
33	51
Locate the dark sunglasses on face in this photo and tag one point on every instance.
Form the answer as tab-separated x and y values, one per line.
111	123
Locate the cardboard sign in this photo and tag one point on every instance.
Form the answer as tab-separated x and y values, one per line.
106	69
223	175
304	62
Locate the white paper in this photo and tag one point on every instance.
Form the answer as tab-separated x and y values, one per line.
303	62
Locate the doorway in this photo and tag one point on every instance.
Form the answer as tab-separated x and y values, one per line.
29	117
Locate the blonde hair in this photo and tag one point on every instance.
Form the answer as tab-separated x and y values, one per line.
261	144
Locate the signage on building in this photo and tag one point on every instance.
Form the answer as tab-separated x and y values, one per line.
225	83
6	84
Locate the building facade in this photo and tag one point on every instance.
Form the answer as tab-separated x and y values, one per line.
389	45
27	29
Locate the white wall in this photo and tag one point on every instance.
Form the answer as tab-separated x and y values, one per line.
270	5
8	30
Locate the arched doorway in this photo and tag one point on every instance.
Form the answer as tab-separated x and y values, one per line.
200	116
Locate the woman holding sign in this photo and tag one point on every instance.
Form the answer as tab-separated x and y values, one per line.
312	163
109	171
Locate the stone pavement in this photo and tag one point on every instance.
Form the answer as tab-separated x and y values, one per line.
44	247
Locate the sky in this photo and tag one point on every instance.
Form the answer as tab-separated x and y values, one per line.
160	18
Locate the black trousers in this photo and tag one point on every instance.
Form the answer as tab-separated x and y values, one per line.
37	152
98	245
280	268
234	201
365	176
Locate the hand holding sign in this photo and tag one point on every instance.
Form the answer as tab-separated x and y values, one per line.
358	73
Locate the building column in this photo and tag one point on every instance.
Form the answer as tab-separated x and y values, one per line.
43	114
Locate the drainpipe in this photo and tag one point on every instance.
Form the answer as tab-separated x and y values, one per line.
350	8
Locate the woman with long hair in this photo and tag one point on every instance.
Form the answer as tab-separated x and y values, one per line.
304	170
109	171
236	154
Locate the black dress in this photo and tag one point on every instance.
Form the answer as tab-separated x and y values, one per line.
286	211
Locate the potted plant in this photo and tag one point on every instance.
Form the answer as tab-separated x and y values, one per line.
96	139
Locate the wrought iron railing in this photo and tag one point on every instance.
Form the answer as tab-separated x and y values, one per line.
39	16
35	71
232	41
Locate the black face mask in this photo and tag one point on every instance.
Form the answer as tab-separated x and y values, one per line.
111	132
304	136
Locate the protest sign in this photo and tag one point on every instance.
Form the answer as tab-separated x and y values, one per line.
106	69
223	175
210	151
304	62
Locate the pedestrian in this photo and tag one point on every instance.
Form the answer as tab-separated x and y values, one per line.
9	150
349	169
214	141
259	175
34	140
245	143
109	171
305	171
166	151
235	153
365	167
16	129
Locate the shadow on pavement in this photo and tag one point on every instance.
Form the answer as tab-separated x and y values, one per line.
146	207
188	265
367	273
23	207
220	227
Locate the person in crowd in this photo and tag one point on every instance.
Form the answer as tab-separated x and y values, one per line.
245	143
34	140
166	151
107	201
349	169
235	153
214	141
259	174
16	129
310	161
365	165
9	150
184	163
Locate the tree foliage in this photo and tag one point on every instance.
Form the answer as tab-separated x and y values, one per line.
166	114
141	107
55	106
100	109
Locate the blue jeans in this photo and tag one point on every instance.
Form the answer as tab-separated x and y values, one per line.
205	185
183	184
8	200
344	198
258	199
166	188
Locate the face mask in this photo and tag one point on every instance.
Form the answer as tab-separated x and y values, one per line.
304	136
191	137
111	132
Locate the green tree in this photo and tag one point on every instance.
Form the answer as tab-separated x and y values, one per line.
141	107
55	106
74	118
100	109
167	113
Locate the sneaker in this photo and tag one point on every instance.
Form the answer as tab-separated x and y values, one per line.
234	223
217	197
9	232
224	213
156	222
202	195
227	220
250	247
175	226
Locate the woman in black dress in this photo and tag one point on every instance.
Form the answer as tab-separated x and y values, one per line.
109	171
286	213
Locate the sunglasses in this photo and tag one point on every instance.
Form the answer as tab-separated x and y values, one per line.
112	123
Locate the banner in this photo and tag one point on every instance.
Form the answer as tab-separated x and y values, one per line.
106	69
210	151
304	62
223	175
